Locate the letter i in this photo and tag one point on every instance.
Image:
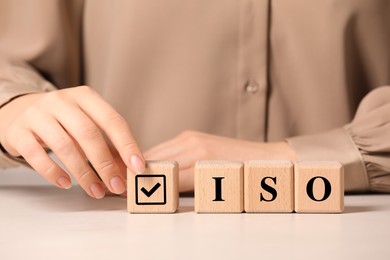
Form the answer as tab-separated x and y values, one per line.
218	188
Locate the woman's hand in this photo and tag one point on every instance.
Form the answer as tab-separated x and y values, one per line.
70	123
190	146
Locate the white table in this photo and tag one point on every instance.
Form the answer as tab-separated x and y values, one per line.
38	221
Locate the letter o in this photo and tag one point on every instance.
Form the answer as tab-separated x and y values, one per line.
309	188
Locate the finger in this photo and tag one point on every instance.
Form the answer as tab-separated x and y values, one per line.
184	141
186	180
179	152
118	160
162	147
63	146
93	144
168	149
27	146
167	152
115	126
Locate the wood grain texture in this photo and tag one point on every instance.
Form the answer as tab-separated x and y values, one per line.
149	191
261	179
306	172
232	189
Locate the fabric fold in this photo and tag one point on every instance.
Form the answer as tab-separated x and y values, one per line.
370	131
335	145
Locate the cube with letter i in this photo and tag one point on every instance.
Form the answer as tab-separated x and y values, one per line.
319	187
219	187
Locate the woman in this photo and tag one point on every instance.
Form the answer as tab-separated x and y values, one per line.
264	79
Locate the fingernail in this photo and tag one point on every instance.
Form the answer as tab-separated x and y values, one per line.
137	164
97	190
117	184
64	182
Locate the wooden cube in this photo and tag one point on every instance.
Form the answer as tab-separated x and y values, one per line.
155	191
269	186
319	187
219	187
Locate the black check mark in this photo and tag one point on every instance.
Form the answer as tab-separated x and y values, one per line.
150	193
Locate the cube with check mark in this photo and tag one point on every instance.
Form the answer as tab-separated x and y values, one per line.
154	191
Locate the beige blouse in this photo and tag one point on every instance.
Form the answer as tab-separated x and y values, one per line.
261	70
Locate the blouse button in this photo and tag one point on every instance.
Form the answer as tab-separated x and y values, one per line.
252	87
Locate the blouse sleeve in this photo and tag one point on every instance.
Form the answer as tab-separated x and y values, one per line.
362	146
17	79
39	49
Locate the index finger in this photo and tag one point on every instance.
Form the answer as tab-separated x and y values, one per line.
115	127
